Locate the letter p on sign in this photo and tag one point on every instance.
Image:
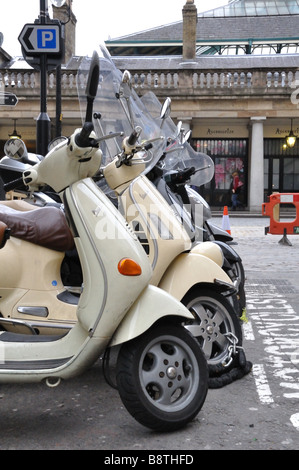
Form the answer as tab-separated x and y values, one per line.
46	39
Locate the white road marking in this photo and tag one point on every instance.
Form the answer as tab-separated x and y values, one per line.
295	420
262	384
248	331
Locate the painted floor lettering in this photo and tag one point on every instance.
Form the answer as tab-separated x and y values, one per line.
273	318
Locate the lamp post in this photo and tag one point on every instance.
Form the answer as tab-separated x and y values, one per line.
42	48
58	4
43	123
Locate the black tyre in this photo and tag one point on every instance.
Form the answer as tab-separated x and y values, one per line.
241	295
239	273
217	319
162	377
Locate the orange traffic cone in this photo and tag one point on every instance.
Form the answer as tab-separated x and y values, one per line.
225	220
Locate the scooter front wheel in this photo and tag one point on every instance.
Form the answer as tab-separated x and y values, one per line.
162	377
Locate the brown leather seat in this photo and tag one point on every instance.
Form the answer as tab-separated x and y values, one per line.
45	226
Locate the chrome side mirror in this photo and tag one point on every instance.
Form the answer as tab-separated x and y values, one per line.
166	108
125	89
15	148
186	137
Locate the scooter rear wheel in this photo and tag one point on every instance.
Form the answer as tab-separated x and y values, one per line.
217	319
162	377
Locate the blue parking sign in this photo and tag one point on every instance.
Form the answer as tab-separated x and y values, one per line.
37	38
46	38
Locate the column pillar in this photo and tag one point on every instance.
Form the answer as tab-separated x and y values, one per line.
256	169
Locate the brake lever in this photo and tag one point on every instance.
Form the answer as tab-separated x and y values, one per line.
95	142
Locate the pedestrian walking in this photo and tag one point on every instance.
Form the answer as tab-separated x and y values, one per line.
236	188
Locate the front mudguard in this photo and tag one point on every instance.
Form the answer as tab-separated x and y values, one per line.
228	252
190	269
152	305
218	233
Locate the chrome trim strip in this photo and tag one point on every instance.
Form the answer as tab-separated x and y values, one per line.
36	311
34	365
14	322
230	288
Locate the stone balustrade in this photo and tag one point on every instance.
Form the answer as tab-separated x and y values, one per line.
180	82
214	83
28	82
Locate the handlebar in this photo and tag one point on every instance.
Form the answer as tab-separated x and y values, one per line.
180	176
82	139
13	184
132	139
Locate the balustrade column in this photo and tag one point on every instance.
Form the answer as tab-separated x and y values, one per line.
256	172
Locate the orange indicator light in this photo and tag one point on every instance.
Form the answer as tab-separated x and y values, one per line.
129	267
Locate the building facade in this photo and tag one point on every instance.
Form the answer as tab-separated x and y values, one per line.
233	77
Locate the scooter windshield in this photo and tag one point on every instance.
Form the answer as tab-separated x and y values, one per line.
118	109
179	155
184	158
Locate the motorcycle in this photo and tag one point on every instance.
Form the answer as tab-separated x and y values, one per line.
12	165
219	327
197	218
161	370
180	168
191	273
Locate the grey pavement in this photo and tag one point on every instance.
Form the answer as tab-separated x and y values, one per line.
263	254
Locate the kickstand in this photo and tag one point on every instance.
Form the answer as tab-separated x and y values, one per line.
285	240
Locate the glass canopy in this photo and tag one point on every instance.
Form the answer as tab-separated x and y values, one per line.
254	8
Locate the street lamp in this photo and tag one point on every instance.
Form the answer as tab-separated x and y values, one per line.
58	3
15	132
291	138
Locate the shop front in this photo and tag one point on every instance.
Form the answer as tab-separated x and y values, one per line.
236	148
281	163
228	147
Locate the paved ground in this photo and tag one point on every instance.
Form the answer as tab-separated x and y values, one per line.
263	253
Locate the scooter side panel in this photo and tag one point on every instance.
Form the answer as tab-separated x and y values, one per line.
35	359
150	306
19	258
189	269
104	239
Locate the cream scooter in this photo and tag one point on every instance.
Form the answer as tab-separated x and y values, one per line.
193	274
161	370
